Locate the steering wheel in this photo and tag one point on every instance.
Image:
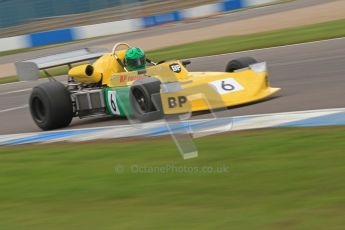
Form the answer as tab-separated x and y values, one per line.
117	47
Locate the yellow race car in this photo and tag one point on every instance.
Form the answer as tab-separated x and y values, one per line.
107	87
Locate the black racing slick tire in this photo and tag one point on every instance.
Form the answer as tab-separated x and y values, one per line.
239	63
142	95
51	106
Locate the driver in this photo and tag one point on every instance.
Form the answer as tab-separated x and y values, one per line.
135	59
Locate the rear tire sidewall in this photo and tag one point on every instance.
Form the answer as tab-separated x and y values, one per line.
56	106
39	94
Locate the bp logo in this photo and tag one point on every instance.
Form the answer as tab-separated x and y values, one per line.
175	68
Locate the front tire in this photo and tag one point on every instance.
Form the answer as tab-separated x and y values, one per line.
51	106
240	63
141	93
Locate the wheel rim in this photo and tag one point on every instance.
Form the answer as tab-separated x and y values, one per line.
141	100
38	109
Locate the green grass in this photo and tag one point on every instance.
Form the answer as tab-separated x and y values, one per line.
8	79
57	71
328	30
277	179
16	51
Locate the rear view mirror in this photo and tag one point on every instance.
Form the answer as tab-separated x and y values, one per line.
186	62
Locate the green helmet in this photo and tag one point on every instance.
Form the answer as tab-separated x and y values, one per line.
135	59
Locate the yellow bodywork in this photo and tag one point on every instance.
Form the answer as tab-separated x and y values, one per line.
203	90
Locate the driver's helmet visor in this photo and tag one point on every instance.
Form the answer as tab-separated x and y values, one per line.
139	62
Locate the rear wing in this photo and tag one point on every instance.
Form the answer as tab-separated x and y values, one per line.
29	70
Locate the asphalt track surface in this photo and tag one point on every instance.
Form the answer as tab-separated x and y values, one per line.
311	75
231	17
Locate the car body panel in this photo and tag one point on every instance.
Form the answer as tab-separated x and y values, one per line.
203	90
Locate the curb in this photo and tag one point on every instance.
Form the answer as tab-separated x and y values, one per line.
197	128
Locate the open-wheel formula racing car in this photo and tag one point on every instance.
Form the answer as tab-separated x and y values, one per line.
107	87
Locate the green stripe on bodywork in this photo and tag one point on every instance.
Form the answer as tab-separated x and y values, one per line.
122	100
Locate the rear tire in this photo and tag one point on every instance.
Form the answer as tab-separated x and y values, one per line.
51	106
141	99
239	63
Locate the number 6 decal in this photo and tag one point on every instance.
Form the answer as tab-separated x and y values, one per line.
112	104
227	85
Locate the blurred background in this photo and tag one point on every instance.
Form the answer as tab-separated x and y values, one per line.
39	15
281	174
